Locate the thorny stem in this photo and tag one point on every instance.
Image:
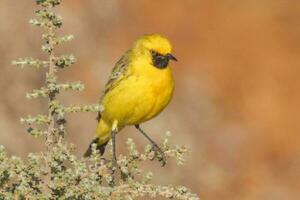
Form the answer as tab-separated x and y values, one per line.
50	137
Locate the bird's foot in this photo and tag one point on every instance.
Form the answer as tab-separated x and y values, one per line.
114	165
117	172
114	171
159	154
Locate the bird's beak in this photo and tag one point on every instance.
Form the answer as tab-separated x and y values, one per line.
171	57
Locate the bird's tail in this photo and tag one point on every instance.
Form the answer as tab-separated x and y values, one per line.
103	133
100	147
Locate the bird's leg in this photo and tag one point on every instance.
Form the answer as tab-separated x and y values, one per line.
154	146
114	159
114	131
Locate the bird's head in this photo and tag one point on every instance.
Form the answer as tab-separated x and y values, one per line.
158	47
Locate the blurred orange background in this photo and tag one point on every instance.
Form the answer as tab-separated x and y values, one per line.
236	104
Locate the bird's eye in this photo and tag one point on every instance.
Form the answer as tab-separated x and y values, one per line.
160	61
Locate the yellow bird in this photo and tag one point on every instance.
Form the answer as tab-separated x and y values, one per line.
139	88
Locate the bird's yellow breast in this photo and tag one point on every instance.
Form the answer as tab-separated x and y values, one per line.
142	94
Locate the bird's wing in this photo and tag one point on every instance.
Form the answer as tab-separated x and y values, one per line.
117	74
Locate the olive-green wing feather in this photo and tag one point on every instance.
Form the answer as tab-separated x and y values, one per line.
117	74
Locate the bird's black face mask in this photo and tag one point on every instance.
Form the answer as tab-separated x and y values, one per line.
161	61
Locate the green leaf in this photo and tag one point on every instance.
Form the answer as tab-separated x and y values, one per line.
65	61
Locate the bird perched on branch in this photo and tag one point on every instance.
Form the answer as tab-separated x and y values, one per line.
139	88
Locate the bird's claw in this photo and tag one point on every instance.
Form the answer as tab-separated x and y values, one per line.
114	165
161	157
